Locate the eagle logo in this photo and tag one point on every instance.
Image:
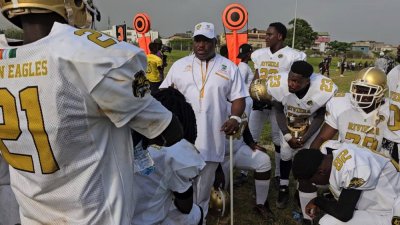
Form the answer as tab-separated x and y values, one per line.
140	85
356	182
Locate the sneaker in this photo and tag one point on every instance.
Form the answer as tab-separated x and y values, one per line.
283	197
264	211
240	180
277	181
341	75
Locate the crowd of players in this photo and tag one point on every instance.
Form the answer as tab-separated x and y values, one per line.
76	109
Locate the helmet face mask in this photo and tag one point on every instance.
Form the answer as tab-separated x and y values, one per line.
77	13
368	89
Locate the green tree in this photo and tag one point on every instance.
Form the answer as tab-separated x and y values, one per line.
338	47
13	33
305	35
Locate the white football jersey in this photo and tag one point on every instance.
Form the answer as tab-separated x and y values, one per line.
357	168
354	125
393	81
268	63
321	90
66	102
176	166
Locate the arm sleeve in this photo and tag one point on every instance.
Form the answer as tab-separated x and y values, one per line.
280	117
247	137
114	95
342	209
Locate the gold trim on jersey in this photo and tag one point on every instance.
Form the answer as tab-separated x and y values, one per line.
21	70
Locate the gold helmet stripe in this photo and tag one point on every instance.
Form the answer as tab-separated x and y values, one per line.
366	72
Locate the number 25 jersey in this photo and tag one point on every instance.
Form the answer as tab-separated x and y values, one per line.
66	103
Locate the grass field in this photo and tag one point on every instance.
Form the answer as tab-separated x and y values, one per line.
244	200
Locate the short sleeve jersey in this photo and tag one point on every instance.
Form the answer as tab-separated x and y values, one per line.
152	73
320	91
268	63
393	81
355	167
208	88
176	166
354	125
67	100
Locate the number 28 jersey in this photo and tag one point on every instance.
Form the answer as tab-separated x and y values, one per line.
354	125
68	102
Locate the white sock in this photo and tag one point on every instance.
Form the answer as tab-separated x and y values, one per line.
277	164
305	198
284	182
262	188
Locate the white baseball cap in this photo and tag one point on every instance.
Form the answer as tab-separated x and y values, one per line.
205	29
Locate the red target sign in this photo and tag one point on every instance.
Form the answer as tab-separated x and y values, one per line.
235	16
141	23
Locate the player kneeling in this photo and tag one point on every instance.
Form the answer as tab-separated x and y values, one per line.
366	185
166	195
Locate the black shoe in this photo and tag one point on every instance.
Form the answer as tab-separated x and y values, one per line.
283	197
265	212
276	181
307	222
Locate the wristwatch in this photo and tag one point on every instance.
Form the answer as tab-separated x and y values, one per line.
237	118
287	137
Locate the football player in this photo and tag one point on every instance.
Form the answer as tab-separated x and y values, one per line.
360	116
248	155
393	132
69	100
276	58
166	195
366	185
299	101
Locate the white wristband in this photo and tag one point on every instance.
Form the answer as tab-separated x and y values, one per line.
237	118
287	137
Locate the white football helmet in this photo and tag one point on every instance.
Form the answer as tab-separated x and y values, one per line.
78	13
368	88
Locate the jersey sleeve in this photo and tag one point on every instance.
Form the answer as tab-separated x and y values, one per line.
356	169
169	79
331	115
393	78
255	59
185	164
123	95
238	88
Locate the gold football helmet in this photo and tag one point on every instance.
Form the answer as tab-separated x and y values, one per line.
77	13
259	91
368	88
219	202
298	125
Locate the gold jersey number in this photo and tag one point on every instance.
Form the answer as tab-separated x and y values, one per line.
368	142
394	122
94	36
10	131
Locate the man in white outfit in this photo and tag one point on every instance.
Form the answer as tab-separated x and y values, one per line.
208	81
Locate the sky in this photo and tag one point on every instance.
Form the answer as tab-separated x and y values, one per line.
345	20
